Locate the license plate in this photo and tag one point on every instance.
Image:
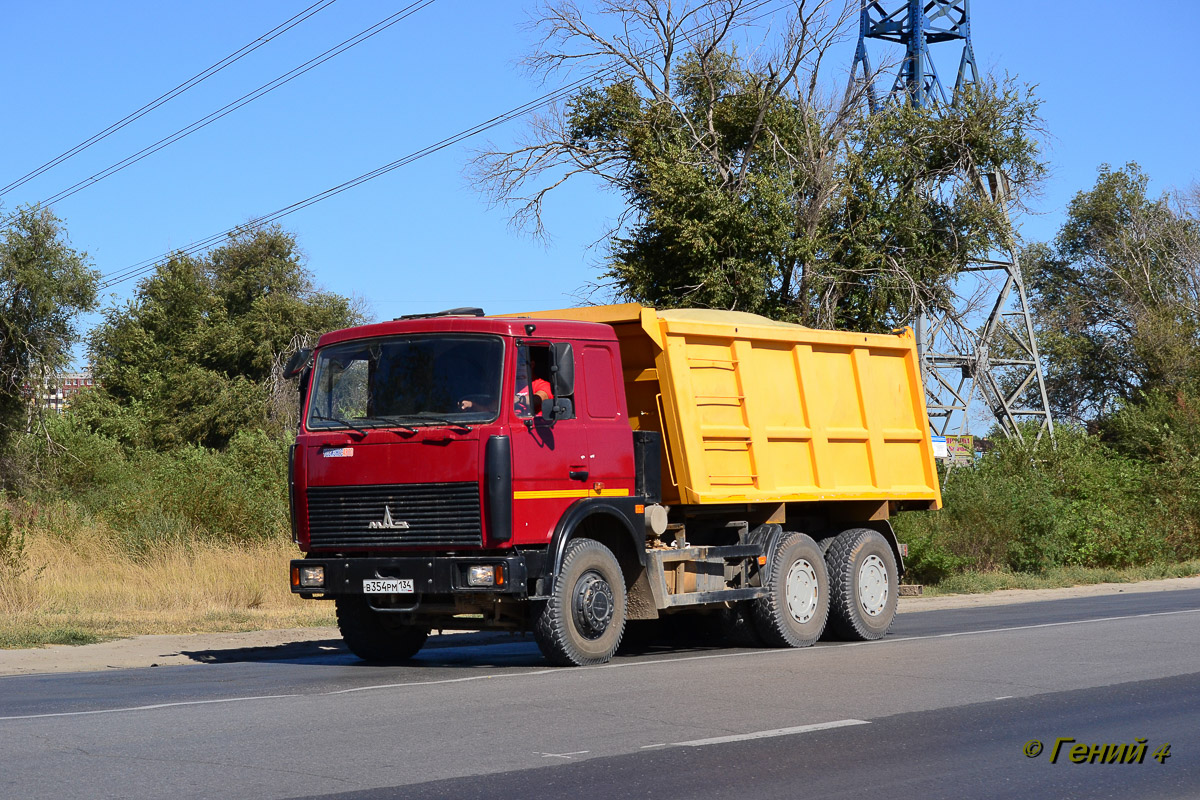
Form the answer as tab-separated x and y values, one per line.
388	586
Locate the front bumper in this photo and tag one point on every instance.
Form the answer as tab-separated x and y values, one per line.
440	575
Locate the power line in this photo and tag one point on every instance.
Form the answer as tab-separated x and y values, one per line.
148	265
195	80
245	99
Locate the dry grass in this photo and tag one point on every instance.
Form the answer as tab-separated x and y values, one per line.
76	586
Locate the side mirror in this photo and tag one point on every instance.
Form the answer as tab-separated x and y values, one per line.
562	370
556	409
296	364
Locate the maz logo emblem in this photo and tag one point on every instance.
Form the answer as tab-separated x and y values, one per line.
388	523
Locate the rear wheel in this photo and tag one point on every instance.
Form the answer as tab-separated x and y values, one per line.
584	619
863	585
794	612
377	636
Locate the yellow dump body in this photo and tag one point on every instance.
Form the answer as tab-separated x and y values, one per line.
754	410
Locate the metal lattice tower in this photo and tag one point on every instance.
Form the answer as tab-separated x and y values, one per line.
996	355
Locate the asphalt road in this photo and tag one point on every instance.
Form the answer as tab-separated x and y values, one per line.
942	707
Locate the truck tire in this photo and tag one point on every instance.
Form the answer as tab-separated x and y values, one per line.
583	620
794	612
864	585
376	636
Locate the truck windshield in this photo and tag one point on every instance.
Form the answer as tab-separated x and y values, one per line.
403	381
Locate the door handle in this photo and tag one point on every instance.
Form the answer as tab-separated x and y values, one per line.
579	474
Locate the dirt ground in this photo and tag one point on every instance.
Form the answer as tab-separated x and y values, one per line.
161	651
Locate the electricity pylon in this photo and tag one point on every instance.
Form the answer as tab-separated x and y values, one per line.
996	357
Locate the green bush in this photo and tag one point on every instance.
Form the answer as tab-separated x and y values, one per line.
1076	501
235	495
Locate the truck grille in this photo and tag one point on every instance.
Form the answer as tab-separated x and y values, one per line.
436	515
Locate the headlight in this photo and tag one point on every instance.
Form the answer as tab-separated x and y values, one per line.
486	575
312	577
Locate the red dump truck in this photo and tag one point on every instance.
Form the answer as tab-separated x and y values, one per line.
562	472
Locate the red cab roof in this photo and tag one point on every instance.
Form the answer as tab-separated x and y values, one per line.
502	326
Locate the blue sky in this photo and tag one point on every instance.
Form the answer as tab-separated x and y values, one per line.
1116	87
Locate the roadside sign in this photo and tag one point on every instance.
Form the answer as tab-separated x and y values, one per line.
939	447
961	449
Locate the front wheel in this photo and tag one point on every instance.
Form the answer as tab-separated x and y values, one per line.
864	585
794	611
377	636
583	620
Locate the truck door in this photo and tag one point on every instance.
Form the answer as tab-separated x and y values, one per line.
601	403
550	461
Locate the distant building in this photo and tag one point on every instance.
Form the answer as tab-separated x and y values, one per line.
56	391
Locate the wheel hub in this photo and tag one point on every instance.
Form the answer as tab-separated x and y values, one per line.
801	591
593	606
873	585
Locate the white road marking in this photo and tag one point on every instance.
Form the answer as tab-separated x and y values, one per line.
745	737
154	707
567	756
1006	697
773	653
433	683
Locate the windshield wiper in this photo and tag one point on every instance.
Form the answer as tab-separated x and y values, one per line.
340	421
462	426
422	418
396	422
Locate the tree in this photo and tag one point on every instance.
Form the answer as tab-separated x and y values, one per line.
44	285
749	183
1117	296
189	358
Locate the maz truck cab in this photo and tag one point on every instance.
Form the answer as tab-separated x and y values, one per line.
429	478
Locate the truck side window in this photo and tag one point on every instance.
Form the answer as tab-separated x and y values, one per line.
600	390
533	380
